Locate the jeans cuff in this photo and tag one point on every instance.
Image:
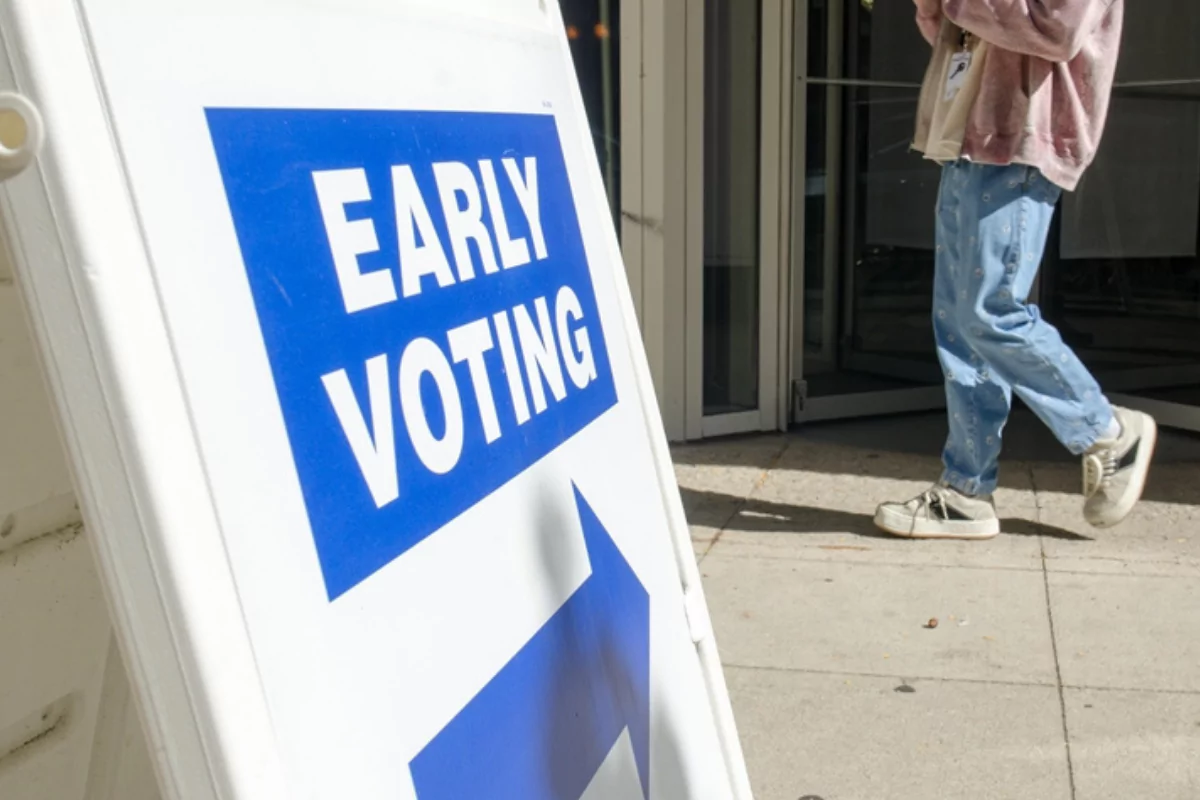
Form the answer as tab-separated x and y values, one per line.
972	487
1093	431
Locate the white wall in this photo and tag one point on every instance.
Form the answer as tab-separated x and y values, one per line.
67	727
655	199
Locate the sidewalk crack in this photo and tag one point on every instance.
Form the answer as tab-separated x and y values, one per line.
744	501
1062	700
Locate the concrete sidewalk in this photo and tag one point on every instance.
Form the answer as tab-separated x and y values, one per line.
1065	663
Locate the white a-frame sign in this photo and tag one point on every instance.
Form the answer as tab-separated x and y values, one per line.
331	304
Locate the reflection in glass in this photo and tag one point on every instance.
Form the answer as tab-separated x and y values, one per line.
593	31
889	233
869	205
1121	277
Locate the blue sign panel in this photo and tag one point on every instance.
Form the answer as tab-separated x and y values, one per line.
426	305
543	726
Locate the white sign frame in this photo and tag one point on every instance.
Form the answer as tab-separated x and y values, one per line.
84	260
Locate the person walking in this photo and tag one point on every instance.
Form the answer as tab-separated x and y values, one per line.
1013	106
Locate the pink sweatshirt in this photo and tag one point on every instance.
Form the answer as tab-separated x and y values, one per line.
1046	82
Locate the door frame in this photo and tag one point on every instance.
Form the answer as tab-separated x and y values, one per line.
774	162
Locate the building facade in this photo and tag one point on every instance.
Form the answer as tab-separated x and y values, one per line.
778	233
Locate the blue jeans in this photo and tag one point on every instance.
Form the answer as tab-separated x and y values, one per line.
992	224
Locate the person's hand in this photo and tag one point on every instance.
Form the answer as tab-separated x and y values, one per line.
929	18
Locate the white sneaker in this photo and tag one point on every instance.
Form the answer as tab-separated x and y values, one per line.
1115	470
940	513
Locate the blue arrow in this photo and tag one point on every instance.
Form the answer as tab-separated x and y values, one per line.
541	729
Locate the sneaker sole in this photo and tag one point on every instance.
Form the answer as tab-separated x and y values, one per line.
1141	471
900	524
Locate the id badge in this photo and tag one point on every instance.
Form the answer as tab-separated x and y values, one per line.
960	62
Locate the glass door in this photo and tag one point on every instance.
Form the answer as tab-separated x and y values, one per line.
732	263
736	228
1122	276
594	34
863	222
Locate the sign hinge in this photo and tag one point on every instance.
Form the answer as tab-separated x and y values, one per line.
699	623
16	156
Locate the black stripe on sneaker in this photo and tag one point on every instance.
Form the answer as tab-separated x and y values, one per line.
949	513
955	515
1130	457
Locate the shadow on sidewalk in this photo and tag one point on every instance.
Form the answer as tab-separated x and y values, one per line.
722	511
868	448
